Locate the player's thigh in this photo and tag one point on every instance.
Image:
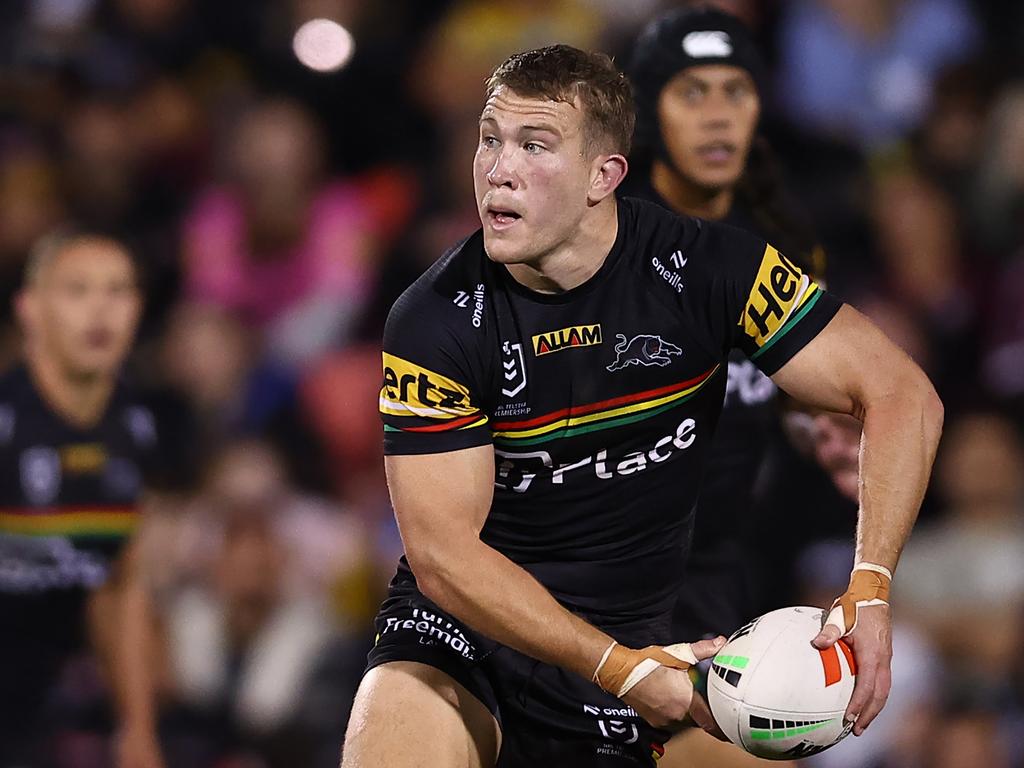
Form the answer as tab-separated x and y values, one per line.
693	748
412	715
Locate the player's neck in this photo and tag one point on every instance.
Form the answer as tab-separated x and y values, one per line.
686	197
79	400
577	260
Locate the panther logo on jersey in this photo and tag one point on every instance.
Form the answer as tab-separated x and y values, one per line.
644	349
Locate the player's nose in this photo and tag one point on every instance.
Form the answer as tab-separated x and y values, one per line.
501	173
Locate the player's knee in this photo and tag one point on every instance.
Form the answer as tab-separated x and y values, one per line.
403	707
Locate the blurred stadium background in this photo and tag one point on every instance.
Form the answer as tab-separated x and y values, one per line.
282	189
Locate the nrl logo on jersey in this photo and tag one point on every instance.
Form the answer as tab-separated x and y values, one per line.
566	338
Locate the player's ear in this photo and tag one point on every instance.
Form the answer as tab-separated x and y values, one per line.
608	173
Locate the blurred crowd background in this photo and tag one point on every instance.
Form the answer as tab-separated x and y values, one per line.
279	210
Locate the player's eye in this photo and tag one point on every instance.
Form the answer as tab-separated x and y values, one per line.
533	147
489	141
693	94
738	92
120	289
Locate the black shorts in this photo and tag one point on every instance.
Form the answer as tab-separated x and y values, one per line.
548	716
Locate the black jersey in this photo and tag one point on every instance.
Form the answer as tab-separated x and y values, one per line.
717	597
748	421
68	496
600	402
68	502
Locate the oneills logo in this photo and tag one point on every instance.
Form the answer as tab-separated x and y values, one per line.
566	338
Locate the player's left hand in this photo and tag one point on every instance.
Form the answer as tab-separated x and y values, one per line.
138	748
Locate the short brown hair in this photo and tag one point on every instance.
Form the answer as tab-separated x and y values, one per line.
564	73
51	245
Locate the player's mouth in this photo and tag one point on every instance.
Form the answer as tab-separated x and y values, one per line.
99	338
501	218
717	152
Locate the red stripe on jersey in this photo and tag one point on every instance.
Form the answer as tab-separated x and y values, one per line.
453	424
583	409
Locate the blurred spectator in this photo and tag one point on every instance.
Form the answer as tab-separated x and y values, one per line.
475	36
263	591
927	275
952	138
1003	368
966	735
218	365
997	201
326	545
292	255
30	204
962	578
865	70
334	394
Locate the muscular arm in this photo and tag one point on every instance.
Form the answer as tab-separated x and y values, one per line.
122	630
851	367
441	502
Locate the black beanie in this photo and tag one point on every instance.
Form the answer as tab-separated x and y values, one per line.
688	37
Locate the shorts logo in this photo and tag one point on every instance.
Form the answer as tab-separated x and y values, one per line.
780	287
433	629
625	732
566	338
410	390
642	350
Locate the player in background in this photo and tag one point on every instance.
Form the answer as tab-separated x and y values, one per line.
545	441
697	79
73	448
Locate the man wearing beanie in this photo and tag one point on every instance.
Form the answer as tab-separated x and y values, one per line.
697	79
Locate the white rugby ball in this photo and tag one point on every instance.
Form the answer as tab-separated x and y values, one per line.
776	695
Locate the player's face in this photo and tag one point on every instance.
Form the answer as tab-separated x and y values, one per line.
84	307
531	174
708	115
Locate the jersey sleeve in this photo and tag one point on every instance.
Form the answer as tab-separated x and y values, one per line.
430	398
763	303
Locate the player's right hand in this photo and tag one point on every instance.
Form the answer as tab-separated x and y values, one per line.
665	696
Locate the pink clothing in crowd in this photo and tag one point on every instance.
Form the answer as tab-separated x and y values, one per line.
333	261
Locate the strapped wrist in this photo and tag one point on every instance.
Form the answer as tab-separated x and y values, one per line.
869	585
621	668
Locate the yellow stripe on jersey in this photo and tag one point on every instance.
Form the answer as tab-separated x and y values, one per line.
92	522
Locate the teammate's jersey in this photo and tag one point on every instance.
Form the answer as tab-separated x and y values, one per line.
600	402
68	496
